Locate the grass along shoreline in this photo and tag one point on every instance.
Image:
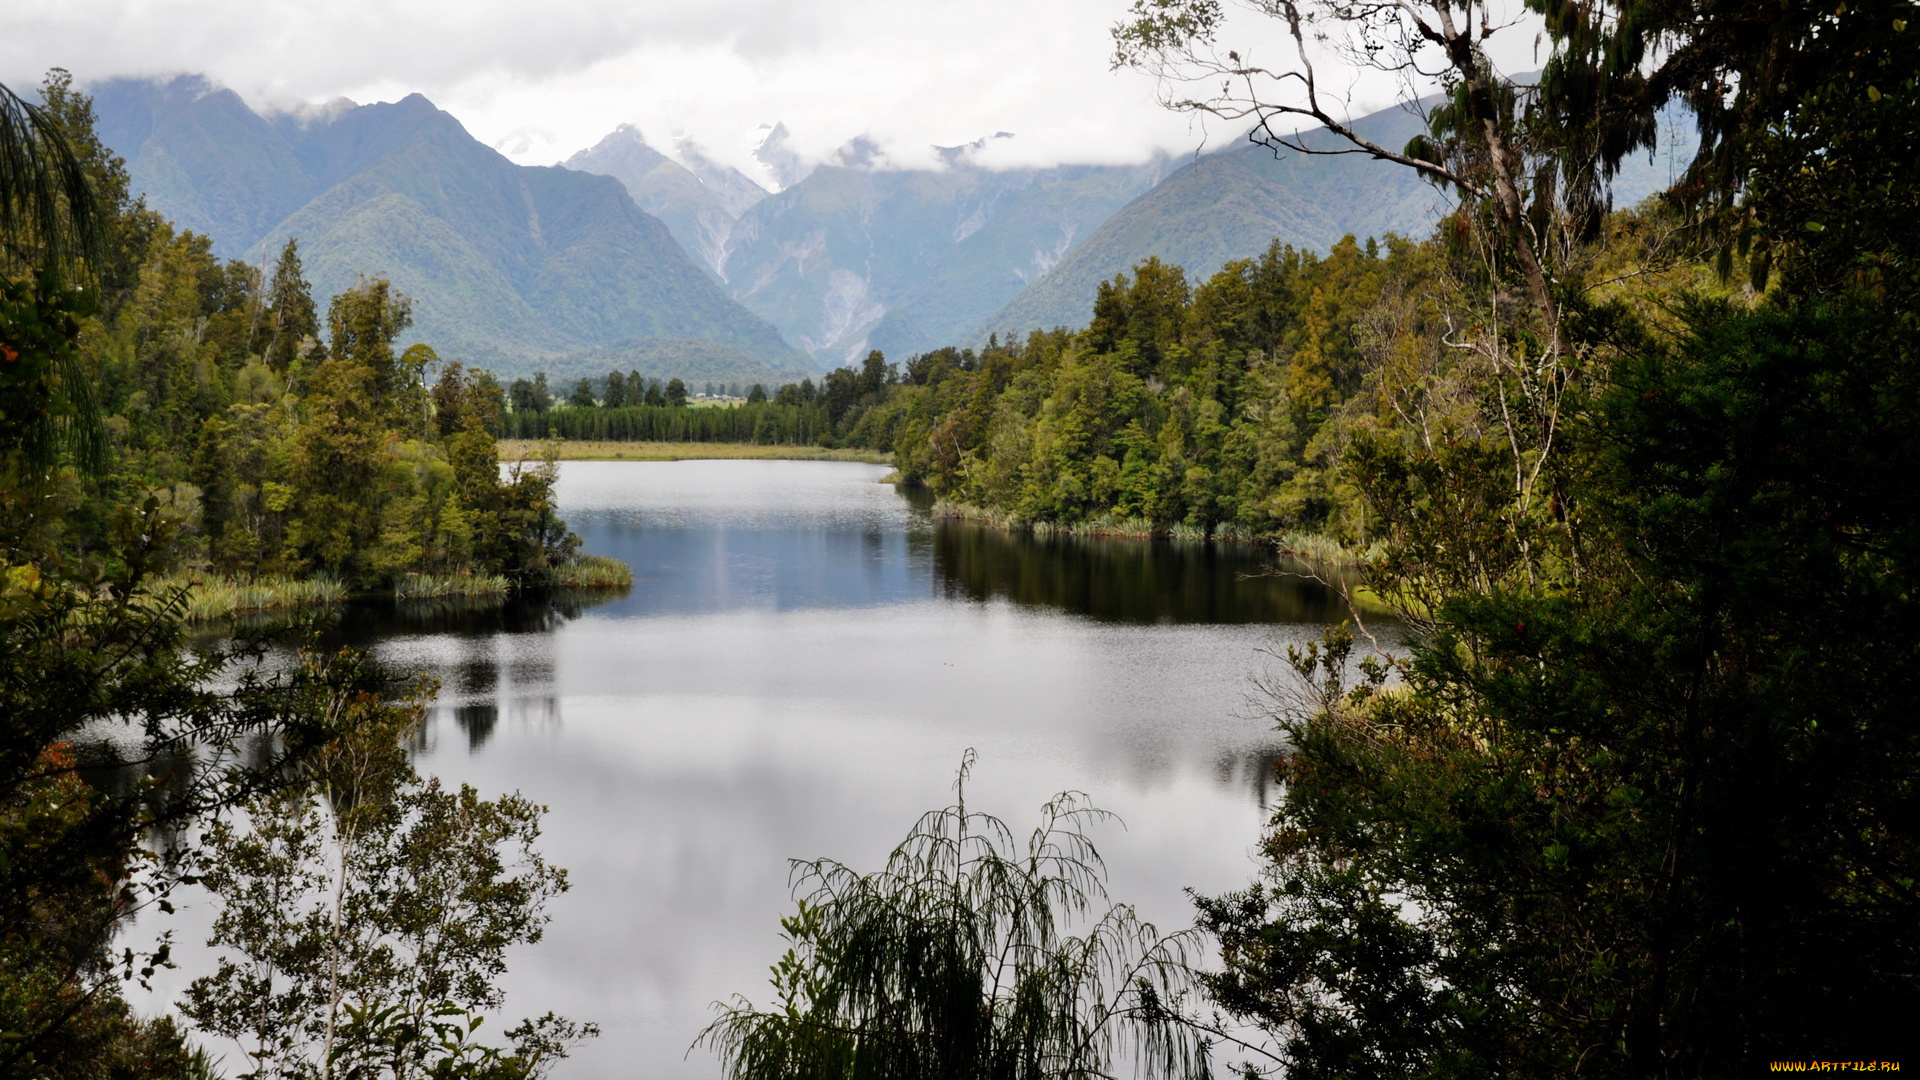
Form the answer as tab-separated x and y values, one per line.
210	599
610	450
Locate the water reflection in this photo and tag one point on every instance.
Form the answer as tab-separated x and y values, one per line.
1126	580
802	659
372	620
478	721
803	542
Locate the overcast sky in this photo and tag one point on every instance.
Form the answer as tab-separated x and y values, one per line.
540	80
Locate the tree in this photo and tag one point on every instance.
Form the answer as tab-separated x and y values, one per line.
290	310
52	230
341	449
362	325
757	395
453	406
50	214
489	401
676	393
616	395
876	374
1635	811
956	961
365	915
97	674
582	396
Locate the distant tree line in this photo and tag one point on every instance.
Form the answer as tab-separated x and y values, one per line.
630	408
1217	408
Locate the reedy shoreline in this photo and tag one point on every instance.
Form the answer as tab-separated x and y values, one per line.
210	598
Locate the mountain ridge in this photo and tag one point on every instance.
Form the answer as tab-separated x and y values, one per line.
506	264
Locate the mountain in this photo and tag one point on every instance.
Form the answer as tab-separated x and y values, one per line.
698	200
1233	203
855	255
506	265
203	158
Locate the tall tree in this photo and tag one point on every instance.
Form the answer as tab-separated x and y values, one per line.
290	312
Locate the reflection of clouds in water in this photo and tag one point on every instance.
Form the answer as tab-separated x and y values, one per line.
698	753
756	496
796	672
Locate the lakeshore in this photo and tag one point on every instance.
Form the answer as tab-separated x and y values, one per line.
609	450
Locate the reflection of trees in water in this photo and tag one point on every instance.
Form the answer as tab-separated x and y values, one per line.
1252	768
475	616
1126	580
478	721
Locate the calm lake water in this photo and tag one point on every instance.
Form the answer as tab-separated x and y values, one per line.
801	662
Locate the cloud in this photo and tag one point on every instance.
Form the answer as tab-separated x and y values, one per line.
542	80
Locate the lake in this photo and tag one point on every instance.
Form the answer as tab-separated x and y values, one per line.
802	660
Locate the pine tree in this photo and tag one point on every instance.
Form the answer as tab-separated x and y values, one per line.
292	318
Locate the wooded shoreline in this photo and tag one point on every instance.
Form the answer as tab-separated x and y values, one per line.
615	450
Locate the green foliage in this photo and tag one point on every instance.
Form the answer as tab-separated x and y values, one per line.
97	679
50	214
118	742
283	457
1641	802
46	406
957	960
294	326
1651	823
364	910
1216	410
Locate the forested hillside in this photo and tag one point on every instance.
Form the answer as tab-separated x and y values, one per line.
503	264
290	442
1221	408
